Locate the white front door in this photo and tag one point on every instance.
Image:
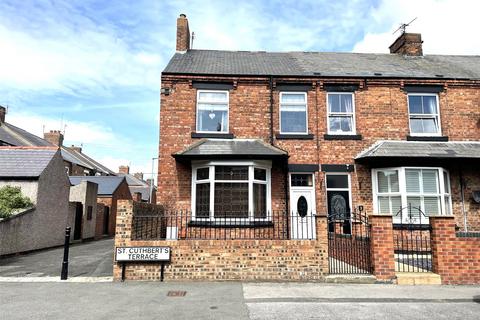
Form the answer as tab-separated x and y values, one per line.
302	206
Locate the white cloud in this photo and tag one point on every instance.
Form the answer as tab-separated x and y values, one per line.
447	26
72	55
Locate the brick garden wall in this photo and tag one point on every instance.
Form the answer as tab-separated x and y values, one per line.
282	260
455	259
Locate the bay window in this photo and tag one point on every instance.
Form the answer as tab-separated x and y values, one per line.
212	111
231	190
397	189
424	114
341	113
293	113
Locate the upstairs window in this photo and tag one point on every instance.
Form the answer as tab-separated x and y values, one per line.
341	113
424	114
212	111
293	113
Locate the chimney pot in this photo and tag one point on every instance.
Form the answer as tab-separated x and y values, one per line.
124	169
183	34
409	44
77	149
138	175
55	137
3	112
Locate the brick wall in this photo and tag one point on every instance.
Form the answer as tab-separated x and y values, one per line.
282	260
455	259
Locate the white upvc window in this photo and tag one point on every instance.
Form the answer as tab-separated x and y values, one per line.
212	111
231	190
424	114
341	113
397	189
293	113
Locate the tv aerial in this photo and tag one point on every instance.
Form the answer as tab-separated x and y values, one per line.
404	26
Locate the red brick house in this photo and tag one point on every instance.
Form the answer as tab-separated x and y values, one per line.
305	164
341	130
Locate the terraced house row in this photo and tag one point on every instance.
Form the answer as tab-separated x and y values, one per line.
358	156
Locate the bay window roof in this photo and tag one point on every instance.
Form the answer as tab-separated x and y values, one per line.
419	150
230	149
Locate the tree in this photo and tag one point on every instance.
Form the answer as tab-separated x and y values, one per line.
11	199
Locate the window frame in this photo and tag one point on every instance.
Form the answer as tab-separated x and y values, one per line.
422	115
261	164
442	193
218	103
343	114
296	104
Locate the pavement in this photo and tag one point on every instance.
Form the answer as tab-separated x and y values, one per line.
30	288
86	259
234	300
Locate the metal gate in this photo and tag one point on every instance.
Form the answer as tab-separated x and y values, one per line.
349	243
411	236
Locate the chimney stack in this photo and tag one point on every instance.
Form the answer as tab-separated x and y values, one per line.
78	149
3	112
183	34
409	44
55	137
138	175
124	169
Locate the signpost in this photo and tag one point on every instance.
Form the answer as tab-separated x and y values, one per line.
142	254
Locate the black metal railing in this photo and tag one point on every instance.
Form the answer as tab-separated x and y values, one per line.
411	236
178	225
349	243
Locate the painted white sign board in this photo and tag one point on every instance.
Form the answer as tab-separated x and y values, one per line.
130	254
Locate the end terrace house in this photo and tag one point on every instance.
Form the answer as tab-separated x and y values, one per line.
244	134
297	165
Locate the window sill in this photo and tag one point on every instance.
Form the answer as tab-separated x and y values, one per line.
342	137
238	224
197	135
286	136
427	138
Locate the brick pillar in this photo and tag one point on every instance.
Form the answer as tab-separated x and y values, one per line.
123	231
381	247
443	234
322	241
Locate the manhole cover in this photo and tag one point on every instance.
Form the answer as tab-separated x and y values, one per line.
176	293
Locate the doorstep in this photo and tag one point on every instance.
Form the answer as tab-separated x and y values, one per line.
418	278
351	278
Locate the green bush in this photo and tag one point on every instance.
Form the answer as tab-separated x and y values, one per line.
11	199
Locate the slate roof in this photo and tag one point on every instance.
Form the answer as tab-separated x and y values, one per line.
237	148
15	136
137	185
417	149
329	64
106	184
24	162
85	161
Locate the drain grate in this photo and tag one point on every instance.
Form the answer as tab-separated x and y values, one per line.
176	293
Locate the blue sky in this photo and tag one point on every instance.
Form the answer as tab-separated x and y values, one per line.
95	66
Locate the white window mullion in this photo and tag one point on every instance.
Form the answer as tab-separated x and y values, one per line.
212	192
250	193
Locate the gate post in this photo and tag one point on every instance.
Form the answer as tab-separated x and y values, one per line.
381	247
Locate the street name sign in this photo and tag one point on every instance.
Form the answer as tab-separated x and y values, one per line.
131	254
